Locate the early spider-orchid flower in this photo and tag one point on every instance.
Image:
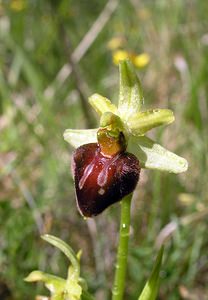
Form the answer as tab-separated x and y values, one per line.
107	161
71	288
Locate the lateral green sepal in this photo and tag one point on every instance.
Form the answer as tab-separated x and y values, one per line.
153	156
76	137
54	284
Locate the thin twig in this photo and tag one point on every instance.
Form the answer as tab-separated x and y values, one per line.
79	82
168	230
30	201
92	227
83	46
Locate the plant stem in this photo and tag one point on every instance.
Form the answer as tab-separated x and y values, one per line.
122	253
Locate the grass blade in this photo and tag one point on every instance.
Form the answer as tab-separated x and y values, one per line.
151	287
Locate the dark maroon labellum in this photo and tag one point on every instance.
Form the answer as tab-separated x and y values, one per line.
101	181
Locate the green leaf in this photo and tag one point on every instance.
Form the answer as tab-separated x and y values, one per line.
154	156
102	104
150	290
66	249
76	137
32	75
142	122
15	69
131	94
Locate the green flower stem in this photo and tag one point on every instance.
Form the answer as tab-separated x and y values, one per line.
122	253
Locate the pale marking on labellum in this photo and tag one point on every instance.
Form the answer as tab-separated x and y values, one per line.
101	191
103	176
87	173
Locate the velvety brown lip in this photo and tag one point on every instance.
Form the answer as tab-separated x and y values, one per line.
101	181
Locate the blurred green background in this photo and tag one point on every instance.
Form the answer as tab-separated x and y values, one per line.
41	96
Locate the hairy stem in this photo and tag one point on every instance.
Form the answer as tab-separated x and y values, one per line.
122	253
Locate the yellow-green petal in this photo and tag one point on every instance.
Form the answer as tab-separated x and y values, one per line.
130	95
153	156
78	137
142	122
102	104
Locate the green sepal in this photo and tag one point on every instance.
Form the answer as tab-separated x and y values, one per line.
76	137
102	104
151	288
130	94
54	284
66	249
141	122
153	156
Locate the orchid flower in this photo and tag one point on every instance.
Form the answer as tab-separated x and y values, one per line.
107	162
71	288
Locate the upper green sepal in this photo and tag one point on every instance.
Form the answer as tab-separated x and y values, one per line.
66	249
141	122
130	95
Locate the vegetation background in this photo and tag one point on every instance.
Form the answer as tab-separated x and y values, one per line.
40	96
